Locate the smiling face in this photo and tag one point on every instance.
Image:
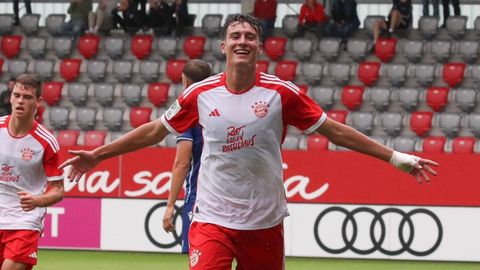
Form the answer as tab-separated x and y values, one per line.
241	44
24	101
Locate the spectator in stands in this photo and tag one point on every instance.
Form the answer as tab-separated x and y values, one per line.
5	106
181	18
126	15
142	12
344	19
266	12
102	17
312	18
28	7
159	16
446	9
400	17
78	11
426	4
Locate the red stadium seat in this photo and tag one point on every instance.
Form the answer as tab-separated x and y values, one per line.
1	65
70	69
453	73
338	115
39	114
11	45
303	88
68	137
463	144
385	48
88	45
434	144
94	138
52	92
262	66
317	142
275	47
437	98
194	46
352	96
368	72
421	122
141	46
140	116
158	93
286	70
174	69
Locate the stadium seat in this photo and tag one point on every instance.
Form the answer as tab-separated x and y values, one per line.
212	24
474	124
450	124
52	92
215	48
428	26
6	24
434	144
324	96
11	45
421	122
290	25
1	66
122	70
94	138
17	67
114	47
54	23
149	70
131	94
474	73
262	66
86	118
312	72
385	49
286	70
466	99
29	24
413	50
62	46
437	98
139	116
369	21
453	73
104	94
338	115
396	74
36	47
115	135
88	45
424	74
358	48
70	69
68	138
463	144
141	46
457	26
362	121
391	123
44	69
59	117
78	93
174	69
317	142
158	93
303	48
468	50
96	70
352	96
340	72
113	118
409	98
275	47
167	47
329	48
380	98
368	72
404	144
441	50
380	139
170	141
291	142
194	46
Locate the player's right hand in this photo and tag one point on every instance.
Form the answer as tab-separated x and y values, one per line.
167	219
80	164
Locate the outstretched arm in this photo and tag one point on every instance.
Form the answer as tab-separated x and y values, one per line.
54	194
348	137
143	136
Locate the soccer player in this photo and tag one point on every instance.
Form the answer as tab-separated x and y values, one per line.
29	177
187	159
241	200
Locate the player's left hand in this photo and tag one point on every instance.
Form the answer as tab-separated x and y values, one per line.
27	201
422	169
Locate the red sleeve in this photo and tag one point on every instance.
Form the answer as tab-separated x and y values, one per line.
302	112
182	114
50	165
320	14
301	17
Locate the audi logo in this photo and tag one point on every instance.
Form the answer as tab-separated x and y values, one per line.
377	231
156	234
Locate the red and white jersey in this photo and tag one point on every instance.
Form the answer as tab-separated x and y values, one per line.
240	184
27	163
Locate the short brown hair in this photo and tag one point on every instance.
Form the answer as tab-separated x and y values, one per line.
242	18
197	70
30	81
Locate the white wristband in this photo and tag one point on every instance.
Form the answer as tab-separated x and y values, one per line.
404	162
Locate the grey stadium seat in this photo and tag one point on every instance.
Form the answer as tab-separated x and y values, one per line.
474	123
78	93
113	118
358	48
17	67
476	25
59	117
457	26
214	47
114	47
362	121
289	25
212	24
54	23
450	124
36	47
171	140
167	47
86	118
408	98
324	96
312	72
404	144
291	142
303	48
474	73
380	98
96	70
149	70
115	135
29	23
413	50
104	94
122	70
391	123
44	69
62	46
441	50
340	72
369	21
396	74
428	26
424	74
131	94
468	50
329	48
466	99
6	23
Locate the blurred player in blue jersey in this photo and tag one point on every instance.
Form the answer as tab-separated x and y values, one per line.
187	159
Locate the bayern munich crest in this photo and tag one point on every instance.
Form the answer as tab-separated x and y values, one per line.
27	154
260	109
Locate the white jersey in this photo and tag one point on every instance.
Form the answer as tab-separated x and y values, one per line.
240	184
27	163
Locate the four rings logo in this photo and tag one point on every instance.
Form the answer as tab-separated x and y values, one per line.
165	240
377	231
